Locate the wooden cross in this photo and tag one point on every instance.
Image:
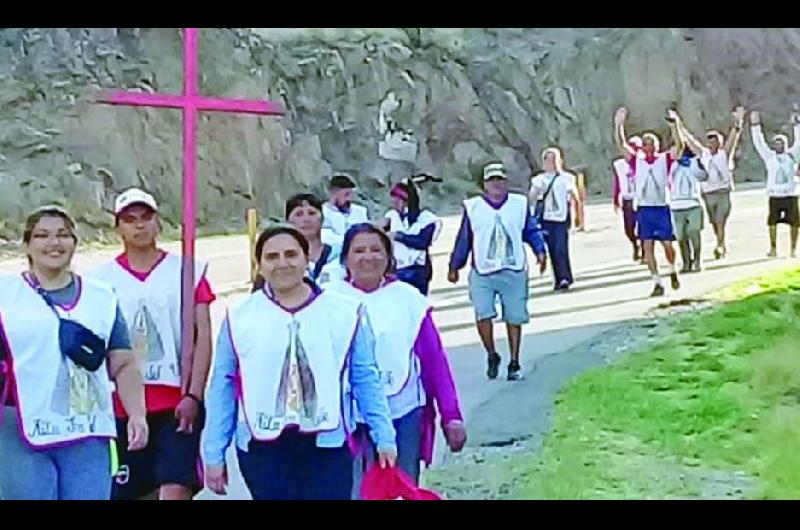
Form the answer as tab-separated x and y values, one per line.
191	102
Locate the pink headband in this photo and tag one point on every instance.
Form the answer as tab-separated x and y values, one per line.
398	192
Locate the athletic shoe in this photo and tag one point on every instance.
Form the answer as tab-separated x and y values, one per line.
687	267
658	290
697	266
674	280
493	366
793	254
514	371
772	254
563	286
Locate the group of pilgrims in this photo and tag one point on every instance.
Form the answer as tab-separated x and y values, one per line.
333	364
661	192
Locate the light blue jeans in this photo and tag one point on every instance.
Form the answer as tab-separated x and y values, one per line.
81	471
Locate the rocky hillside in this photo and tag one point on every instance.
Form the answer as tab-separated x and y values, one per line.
442	101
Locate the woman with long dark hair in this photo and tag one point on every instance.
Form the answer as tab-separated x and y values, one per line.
413	364
290	362
413	231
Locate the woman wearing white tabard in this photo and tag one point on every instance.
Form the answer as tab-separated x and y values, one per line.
57	418
304	212
291	363
413	231
413	364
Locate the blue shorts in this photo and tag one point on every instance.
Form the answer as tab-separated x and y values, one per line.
655	223
512	289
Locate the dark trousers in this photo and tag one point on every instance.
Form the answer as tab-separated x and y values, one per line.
294	468
416	275
557	239
629	220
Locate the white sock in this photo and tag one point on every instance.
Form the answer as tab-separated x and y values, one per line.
657	279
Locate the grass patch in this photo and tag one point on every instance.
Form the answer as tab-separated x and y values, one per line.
715	400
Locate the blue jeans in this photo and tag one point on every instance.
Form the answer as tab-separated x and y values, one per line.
79	471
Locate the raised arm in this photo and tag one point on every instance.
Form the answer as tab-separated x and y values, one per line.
620	139
683	133
735	135
795	149
677	146
758	136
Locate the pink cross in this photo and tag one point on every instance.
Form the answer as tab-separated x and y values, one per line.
191	102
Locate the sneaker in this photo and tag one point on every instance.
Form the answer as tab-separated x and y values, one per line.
514	371
676	284
697	266
793	254
687	267
493	366
658	290
563	286
772	254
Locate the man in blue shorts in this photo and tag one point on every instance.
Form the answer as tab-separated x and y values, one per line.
493	229
651	183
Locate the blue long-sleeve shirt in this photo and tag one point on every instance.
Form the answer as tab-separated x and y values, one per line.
421	241
531	234
222	404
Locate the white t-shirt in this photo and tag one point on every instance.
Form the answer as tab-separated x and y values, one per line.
556	205
718	169
782	179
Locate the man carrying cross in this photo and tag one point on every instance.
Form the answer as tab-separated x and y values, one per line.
146	279
190	102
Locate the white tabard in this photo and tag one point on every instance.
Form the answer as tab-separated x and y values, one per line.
152	309
58	401
293	366
497	233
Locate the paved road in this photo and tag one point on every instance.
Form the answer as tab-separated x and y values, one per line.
609	288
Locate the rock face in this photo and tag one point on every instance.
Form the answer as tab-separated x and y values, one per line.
466	97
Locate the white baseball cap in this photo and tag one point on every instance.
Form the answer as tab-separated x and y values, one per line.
133	196
495	169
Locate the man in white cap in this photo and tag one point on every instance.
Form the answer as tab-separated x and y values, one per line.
148	282
340	213
783	184
493	229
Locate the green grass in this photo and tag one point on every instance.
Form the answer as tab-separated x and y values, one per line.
717	393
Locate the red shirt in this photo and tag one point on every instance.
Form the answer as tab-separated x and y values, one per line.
160	398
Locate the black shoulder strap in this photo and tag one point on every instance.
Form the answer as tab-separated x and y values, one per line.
322	261
550	187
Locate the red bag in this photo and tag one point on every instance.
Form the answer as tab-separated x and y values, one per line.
391	484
